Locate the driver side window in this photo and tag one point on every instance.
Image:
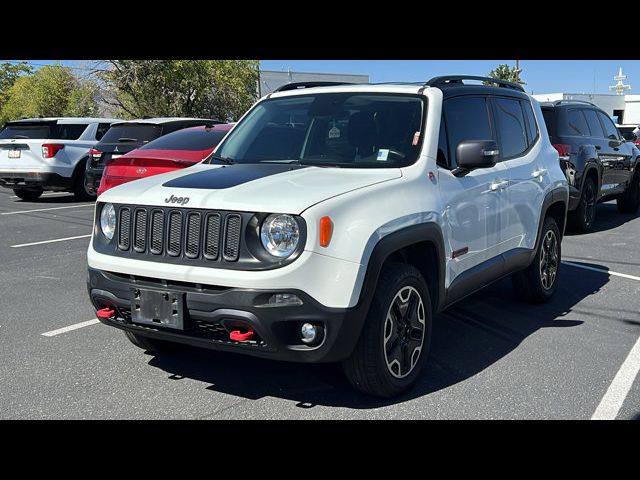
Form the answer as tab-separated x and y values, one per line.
609	128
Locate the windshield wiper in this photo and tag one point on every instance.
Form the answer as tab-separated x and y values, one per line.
227	161
127	139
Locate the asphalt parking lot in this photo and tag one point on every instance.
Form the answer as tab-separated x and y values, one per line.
491	357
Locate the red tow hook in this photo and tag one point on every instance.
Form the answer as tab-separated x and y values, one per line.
238	336
105	312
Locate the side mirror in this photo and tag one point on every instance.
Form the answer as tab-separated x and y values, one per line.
615	142
472	154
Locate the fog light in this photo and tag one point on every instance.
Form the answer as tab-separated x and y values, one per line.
308	332
283	299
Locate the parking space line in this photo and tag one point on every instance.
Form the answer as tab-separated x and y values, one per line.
619	389
75	326
50	241
47	209
601	270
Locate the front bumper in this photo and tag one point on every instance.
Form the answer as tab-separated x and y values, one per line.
211	312
27	180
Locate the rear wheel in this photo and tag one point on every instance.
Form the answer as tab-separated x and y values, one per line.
584	216
395	339
537	283
79	188
629	201
28	194
150	344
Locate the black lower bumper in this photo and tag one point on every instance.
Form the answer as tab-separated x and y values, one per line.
92	178
35	180
210	313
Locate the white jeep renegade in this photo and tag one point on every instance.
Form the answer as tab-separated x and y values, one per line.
333	222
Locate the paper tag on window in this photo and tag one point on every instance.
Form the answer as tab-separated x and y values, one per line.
416	138
383	153
334	132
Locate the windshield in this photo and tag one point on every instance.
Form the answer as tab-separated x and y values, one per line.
332	129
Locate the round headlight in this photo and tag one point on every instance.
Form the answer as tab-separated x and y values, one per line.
280	235
108	220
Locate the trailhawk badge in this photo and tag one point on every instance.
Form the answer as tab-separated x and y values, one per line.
179	200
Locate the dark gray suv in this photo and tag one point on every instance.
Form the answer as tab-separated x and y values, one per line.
598	162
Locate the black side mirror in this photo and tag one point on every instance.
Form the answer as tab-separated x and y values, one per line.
614	141
472	154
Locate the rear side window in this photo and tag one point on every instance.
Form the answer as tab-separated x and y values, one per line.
467	118
132	132
609	127
575	125
510	126
69	131
532	127
188	140
594	125
102	129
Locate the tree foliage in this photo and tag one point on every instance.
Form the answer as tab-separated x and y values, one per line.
222	89
9	73
52	91
506	72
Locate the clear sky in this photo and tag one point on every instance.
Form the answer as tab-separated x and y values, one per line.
542	76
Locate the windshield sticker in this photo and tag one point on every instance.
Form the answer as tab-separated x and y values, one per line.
334	132
416	138
383	153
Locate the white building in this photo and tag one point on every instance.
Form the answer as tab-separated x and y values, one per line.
625	109
270	79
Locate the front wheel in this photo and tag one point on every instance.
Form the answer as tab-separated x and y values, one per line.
395	339
629	201
28	194
537	283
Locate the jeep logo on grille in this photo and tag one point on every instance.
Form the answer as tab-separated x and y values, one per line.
179	200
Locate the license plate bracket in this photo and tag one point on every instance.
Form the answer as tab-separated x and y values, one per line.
160	308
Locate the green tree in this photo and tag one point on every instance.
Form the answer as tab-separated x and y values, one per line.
52	91
222	89
9	73
506	72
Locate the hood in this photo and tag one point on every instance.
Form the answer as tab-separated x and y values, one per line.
262	187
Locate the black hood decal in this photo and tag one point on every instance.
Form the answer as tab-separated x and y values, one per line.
230	175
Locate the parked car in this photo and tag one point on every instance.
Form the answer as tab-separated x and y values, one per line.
598	162
40	154
332	223
126	136
173	151
630	133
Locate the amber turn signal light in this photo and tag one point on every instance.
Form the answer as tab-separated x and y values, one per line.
326	229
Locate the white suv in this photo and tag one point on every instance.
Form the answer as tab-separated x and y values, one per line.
38	154
333	222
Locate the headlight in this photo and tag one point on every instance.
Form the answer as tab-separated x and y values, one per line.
280	235
108	220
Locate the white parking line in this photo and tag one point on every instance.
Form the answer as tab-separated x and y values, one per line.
618	390
49	194
47	209
49	241
76	326
601	270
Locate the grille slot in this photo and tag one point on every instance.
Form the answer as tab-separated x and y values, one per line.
212	236
124	229
232	237
174	243
140	230
192	244
157	232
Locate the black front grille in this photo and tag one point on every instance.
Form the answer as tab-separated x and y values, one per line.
188	234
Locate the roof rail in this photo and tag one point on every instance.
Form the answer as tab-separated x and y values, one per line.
560	102
457	80
297	85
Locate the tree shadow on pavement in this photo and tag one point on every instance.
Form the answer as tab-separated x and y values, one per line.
467	338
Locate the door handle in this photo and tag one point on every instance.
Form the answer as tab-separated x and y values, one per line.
598	147
541	172
616	149
495	186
